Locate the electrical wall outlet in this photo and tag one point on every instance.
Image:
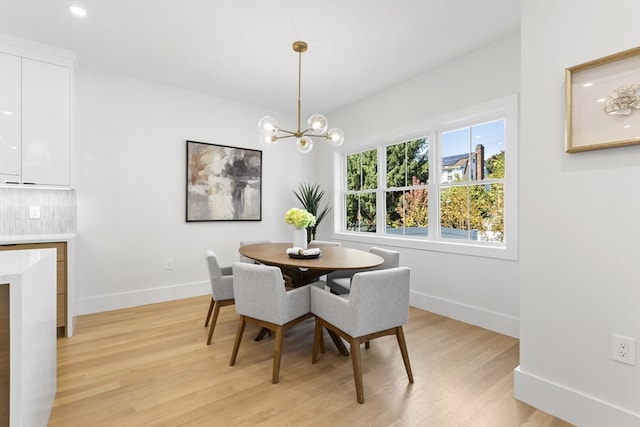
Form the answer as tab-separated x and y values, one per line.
34	212
169	264
623	349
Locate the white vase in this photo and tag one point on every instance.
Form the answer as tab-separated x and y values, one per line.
300	238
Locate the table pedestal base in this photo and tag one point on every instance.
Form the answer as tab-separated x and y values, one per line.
339	343
334	337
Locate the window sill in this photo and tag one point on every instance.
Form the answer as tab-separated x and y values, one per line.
486	251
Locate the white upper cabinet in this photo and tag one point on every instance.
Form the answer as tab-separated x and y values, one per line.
35	121
10	118
46	107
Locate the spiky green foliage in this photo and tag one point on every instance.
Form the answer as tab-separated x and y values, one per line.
310	196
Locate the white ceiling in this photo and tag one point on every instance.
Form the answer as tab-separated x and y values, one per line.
241	49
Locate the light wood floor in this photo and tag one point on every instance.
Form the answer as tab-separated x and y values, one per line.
149	366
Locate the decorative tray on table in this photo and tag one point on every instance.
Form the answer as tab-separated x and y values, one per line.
302	256
300	253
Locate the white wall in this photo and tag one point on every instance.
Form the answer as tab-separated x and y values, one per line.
487	293
130	183
580	241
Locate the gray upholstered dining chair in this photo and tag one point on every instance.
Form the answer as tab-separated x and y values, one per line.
261	299
221	280
250	242
377	305
320	243
243	258
339	282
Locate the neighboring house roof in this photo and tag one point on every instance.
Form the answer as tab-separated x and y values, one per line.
456	161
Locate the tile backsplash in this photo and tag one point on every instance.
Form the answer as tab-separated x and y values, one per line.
57	211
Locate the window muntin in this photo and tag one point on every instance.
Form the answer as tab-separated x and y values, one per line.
408	160
473	154
407	177
472	212
360	198
361	212
466	148
408	212
362	171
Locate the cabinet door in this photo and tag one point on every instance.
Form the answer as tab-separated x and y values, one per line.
46	112
10	113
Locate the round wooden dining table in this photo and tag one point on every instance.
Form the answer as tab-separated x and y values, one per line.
307	270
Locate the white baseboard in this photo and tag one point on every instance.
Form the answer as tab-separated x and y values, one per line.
497	322
110	302
569	405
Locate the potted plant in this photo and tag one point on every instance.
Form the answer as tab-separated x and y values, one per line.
310	196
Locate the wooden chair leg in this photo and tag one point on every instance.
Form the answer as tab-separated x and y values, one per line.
262	333
321	340
405	355
317	337
367	345
236	345
214	320
206	322
277	354
357	369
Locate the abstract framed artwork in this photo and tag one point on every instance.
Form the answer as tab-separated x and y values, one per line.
223	183
602	102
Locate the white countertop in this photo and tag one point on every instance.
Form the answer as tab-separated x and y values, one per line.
36	238
17	262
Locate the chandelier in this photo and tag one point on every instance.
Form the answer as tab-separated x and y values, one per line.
317	124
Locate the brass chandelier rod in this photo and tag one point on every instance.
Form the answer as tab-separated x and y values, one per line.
302	47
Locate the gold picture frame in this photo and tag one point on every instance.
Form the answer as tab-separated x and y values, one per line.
602	102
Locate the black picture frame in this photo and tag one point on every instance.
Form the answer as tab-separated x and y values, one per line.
223	183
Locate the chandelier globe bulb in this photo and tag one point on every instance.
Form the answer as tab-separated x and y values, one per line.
267	139
317	124
304	144
267	124
335	137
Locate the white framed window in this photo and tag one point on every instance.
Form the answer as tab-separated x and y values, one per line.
449	184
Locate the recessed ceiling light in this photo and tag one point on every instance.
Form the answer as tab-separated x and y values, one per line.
78	11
